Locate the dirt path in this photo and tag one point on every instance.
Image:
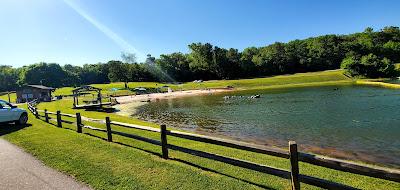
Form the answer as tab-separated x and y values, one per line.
20	170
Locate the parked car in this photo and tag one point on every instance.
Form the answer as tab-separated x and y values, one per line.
10	113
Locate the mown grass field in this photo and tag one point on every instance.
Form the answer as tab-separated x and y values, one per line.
132	164
281	81
13	97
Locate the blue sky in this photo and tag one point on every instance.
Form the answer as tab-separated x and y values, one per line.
90	31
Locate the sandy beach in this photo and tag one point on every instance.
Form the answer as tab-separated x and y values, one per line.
128	104
176	94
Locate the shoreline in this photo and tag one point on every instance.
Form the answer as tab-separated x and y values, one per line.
128	105
175	94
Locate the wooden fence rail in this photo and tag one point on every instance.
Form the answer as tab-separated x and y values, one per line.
292	155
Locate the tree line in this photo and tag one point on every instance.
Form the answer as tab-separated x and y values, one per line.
367	54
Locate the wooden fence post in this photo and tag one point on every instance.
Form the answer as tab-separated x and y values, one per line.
78	123
109	134
46	115
36	113
294	165
59	122
164	142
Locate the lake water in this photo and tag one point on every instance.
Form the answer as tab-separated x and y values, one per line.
351	122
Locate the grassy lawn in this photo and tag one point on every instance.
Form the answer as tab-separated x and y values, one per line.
13	97
132	164
295	80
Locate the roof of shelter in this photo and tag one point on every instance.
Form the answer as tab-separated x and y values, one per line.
41	87
86	88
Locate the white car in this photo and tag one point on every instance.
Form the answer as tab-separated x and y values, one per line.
10	113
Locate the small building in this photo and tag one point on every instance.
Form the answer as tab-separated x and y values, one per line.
34	92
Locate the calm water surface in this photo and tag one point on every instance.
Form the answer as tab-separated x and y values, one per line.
352	122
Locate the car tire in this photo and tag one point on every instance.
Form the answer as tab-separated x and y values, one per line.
23	119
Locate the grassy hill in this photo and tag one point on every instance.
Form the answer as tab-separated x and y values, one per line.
300	79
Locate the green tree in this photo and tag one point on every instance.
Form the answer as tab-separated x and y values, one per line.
48	74
119	72
370	66
8	78
246	64
201	60
176	65
391	50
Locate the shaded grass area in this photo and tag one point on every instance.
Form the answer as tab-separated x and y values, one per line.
132	164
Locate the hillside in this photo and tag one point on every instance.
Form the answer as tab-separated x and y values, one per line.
299	79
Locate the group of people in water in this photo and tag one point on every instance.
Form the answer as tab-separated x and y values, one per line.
251	97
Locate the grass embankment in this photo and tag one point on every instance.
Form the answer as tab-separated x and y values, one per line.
131	164
377	83
322	78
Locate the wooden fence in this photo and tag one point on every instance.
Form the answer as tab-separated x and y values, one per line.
292	155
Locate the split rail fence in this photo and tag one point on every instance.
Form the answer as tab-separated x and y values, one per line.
292	155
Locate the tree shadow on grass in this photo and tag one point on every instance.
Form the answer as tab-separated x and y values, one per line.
123	144
15	128
185	162
220	173
7	128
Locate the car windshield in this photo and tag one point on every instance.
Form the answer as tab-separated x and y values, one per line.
5	105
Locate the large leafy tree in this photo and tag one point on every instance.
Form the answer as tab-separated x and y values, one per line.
247	65
201	60
175	65
48	74
94	73
119	72
370	66
8	78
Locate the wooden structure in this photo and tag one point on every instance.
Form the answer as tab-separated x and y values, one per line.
40	93
95	103
293	156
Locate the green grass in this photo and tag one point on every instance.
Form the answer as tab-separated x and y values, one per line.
131	164
293	80
13	97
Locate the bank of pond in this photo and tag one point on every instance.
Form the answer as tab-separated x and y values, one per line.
351	122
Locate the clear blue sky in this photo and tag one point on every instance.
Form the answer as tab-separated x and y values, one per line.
90	31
